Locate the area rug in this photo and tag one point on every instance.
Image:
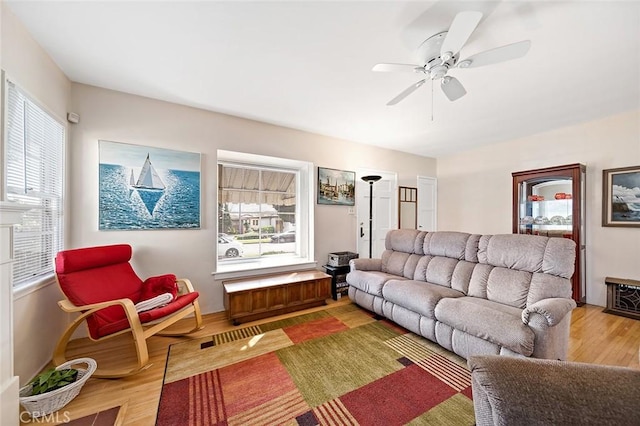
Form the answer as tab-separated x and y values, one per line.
340	366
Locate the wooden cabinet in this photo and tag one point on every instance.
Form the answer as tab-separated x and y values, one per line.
551	202
249	299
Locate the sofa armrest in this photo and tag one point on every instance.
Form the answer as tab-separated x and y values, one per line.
511	390
364	264
553	310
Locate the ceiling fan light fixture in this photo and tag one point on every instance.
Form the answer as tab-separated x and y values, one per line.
438	72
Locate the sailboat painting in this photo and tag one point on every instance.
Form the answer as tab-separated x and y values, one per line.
144	187
149	180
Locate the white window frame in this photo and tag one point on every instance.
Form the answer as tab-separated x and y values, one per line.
304	219
40	276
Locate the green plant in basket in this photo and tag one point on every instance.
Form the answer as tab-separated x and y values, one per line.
53	379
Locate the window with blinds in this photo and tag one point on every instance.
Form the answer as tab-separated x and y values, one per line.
34	176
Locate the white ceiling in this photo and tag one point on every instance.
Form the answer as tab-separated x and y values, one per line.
307	64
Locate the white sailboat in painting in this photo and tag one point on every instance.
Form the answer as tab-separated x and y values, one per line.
148	179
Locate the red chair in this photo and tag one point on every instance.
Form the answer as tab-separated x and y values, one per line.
100	284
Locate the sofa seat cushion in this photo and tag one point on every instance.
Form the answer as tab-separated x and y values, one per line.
492	321
417	296
370	281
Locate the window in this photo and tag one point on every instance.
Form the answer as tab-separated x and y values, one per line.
34	153
265	212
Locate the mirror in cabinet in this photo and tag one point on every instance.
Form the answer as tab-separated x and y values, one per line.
550	202
548	210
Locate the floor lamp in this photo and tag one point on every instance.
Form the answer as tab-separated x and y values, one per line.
371	179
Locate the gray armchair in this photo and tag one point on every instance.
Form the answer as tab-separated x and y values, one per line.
526	391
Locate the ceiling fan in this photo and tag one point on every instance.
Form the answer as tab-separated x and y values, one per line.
441	52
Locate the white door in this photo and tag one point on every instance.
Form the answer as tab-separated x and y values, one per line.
384	210
427	203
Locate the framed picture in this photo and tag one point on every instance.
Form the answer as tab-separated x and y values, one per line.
143	187
336	187
621	197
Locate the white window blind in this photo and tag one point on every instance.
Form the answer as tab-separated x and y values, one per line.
34	156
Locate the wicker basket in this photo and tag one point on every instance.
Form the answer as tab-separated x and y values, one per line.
341	258
40	405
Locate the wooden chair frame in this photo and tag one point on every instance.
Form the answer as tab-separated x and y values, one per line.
140	332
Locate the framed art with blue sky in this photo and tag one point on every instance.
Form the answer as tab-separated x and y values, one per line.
142	187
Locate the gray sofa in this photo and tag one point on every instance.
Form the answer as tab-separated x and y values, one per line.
473	294
525	391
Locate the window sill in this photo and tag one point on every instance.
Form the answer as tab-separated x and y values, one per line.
26	289
246	269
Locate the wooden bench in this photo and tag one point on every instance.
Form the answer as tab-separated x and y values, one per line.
249	299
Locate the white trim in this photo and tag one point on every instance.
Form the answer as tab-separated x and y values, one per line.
258	160
61	120
3	133
11	212
423	179
33	286
59	237
253	271
361	186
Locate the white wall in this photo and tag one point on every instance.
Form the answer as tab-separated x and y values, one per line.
38	321
120	117
474	189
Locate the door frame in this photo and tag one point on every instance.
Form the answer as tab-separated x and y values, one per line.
421	201
362	208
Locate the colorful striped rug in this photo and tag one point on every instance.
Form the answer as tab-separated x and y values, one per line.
340	366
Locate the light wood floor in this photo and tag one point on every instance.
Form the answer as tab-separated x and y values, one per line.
596	338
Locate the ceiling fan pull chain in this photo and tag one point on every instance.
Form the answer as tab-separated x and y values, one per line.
431	100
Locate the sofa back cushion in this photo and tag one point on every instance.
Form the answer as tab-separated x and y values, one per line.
509	287
519	270
456	245
545	286
393	262
529	253
444	271
405	240
503	285
403	251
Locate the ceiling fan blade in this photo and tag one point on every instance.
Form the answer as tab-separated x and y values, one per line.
461	28
409	90
396	68
499	54
452	88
